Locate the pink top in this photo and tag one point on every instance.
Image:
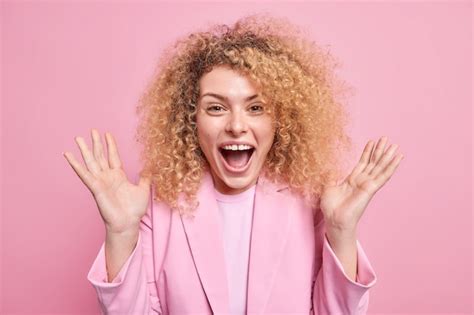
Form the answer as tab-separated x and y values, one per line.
235	213
179	263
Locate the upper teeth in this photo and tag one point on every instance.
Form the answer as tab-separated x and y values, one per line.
235	147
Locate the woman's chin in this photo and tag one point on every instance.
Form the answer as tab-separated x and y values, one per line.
234	185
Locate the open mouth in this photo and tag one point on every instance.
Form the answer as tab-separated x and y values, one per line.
236	160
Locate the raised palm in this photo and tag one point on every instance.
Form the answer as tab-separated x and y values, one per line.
121	203
343	204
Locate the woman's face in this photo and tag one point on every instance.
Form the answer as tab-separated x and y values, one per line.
234	131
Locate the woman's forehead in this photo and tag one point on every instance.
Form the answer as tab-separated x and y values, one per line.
225	98
226	84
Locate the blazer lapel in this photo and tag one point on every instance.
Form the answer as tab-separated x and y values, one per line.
271	223
270	227
206	243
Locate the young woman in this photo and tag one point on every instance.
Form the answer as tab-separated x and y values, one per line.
240	207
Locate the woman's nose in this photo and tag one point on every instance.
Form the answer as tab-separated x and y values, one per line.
236	124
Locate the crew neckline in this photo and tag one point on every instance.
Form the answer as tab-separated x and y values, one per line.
235	198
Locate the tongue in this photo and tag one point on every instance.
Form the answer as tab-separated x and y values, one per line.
237	159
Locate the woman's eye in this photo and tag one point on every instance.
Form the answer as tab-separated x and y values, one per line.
215	108
256	108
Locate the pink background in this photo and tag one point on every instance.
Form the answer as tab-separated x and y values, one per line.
69	67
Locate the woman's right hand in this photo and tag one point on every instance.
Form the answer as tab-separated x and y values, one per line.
121	203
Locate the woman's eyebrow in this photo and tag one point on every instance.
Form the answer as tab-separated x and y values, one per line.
224	98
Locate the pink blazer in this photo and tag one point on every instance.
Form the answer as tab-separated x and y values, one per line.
178	266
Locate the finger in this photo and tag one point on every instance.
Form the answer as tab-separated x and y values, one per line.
98	150
364	159
376	154
114	158
387	173
89	159
379	149
86	177
383	162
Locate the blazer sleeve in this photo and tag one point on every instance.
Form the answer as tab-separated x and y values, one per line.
133	290
333	292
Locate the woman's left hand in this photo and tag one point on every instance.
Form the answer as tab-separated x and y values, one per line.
343	204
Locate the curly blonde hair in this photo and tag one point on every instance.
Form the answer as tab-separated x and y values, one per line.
295	75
